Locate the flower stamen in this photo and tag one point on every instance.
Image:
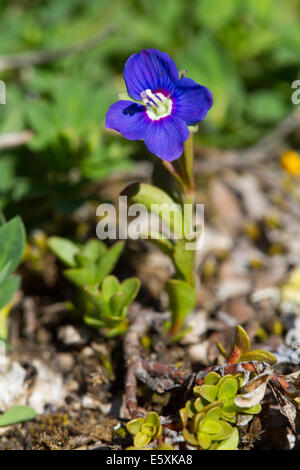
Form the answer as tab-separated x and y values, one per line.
158	105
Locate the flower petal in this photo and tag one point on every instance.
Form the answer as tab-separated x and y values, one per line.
128	118
192	101
150	69
166	136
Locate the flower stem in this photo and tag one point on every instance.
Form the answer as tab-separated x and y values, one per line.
187	164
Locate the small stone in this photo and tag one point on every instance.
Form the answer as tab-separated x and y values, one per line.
65	361
69	335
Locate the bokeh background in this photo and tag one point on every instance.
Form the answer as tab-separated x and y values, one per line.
247	52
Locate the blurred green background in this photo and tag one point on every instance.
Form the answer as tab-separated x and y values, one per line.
246	51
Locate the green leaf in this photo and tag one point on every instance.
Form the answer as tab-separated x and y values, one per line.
152	419
213	413
130	287
64	249
8	288
182	299
198	404
228	389
12	244
94	249
211	378
190	438
157	202
141	440
109	260
204	440
259	355
183	413
110	286
209	392
134	425
254	410
221	349
98	300
148	429
82	276
241	339
210	427
117	303
17	414
94	321
231	442
184	260
225	431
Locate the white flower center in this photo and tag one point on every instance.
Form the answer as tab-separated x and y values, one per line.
158	105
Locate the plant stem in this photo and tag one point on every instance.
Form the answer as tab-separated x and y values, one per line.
187	164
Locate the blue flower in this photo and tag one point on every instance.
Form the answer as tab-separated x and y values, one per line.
163	104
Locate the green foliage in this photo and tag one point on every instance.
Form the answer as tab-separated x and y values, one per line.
111	304
12	245
144	430
89	263
17	414
89	267
208	419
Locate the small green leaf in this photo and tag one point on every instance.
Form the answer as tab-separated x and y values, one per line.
130	288
225	431
94	249
98	300
184	260
117	303
82	276
259	355
254	410
134	425
221	349
231	442
94	321
211	378
141	440
12	244
210	427
190	438
109	260
209	392
17	414
8	288
183	413
204	440
198	405
228	389
110	286
64	249
148	429
241	339
152	418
